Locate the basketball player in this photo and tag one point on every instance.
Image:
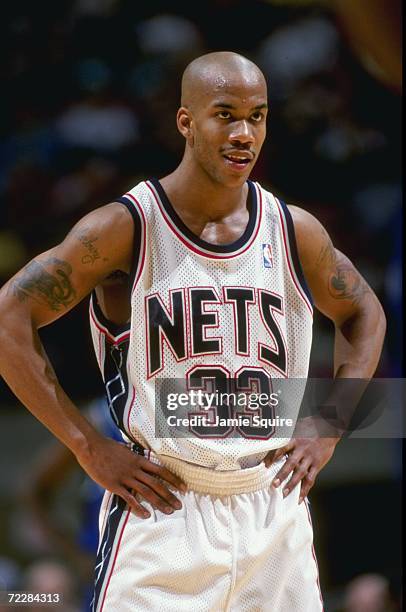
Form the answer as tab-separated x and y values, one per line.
223	277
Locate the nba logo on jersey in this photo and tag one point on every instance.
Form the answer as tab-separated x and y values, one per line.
267	256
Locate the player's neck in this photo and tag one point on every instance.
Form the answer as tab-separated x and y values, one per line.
196	195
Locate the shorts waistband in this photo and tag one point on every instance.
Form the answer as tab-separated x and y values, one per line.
220	483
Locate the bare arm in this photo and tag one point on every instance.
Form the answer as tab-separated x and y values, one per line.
44	290
342	294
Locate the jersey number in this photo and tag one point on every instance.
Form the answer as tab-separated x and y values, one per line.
217	380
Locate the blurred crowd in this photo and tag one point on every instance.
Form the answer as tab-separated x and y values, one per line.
90	90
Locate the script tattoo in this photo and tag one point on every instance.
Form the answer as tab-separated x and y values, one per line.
52	288
88	243
344	283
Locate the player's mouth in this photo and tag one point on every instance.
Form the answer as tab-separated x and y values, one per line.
239	160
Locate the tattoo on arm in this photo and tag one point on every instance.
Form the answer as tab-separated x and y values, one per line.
344	282
52	288
347	284
327	256
88	243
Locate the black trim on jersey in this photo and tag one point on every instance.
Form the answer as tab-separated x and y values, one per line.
294	252
106	545
115	329
137	246
252	206
116	380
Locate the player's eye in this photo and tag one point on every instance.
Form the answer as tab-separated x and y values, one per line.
224	114
257	116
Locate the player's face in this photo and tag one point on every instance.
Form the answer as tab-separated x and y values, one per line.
229	129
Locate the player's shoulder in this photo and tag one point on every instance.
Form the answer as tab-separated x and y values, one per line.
107	222
103	238
112	214
303	221
311	236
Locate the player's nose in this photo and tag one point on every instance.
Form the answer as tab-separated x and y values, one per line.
241	133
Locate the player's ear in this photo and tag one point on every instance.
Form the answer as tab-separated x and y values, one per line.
184	122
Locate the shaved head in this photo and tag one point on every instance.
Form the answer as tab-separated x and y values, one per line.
222	117
216	73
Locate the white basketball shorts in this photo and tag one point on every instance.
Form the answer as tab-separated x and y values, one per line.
236	545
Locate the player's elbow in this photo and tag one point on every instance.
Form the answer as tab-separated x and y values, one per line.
374	318
371	309
6	312
380	320
14	319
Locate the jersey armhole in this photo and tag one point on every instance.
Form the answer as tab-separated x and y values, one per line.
137	240
294	252
115	331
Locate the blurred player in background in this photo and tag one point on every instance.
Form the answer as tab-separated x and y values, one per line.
49	475
369	593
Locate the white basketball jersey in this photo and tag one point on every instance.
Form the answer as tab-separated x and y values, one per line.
203	315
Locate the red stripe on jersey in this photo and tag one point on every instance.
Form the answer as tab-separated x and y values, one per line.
144	238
